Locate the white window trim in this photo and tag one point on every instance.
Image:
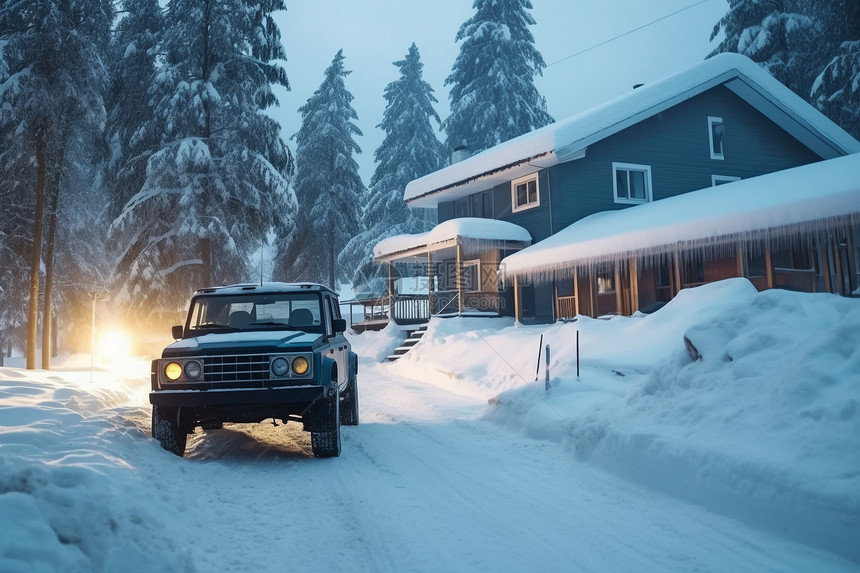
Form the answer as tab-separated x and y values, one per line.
477	264
711	121
723	178
527	206
628	167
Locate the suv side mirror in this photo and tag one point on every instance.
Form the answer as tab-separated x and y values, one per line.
339	325
176	331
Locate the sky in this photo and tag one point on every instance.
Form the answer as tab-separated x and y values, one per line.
375	34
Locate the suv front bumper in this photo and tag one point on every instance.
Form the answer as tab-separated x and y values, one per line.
237	396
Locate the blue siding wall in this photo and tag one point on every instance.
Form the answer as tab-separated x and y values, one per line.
675	144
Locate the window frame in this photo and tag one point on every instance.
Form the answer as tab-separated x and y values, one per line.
529	204
472	263
618	166
723	179
712	120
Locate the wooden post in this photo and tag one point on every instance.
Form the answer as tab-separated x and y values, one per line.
391	290
837	263
554	300
459	279
430	282
633	269
676	275
518	307
739	260
575	291
851	270
768	263
592	293
619	289
824	258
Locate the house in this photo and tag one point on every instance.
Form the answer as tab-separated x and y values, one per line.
716	123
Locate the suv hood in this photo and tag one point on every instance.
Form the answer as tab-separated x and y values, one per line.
273	340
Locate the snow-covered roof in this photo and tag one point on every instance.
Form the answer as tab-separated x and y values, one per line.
759	207
449	233
568	139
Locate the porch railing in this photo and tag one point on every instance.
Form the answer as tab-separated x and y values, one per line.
415	309
411	309
566	307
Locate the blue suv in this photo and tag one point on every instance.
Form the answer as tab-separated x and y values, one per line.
251	352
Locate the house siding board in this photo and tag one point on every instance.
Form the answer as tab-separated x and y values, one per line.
676	146
445	211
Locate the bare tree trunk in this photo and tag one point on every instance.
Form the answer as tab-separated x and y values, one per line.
49	278
206	256
33	311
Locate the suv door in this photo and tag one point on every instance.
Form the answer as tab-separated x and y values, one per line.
337	340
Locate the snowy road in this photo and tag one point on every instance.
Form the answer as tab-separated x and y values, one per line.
424	484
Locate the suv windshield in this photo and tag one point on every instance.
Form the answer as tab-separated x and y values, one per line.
256	311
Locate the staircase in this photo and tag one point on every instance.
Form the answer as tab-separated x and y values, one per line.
412	338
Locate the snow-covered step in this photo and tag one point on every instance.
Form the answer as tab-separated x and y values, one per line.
411	340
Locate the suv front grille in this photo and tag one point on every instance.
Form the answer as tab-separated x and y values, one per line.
241	368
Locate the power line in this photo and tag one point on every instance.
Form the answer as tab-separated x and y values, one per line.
627	33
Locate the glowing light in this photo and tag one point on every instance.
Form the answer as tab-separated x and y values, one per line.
113	346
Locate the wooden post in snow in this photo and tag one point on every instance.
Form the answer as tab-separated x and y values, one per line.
459	279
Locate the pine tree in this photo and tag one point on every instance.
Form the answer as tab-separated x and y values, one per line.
806	44
493	97
327	184
52	100
410	150
131	136
772	34
836	91
218	182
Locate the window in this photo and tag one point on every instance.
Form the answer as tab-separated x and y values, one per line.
524	193
472	275
481	205
722	179
605	280
716	129
632	183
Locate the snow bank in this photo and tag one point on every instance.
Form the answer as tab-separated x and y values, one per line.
67	501
763	427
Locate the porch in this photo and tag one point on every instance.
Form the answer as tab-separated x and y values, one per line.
457	262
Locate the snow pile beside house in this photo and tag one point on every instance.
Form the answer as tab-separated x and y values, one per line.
763	426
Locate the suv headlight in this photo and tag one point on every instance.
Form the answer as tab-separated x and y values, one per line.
173	371
193	370
280	366
300	365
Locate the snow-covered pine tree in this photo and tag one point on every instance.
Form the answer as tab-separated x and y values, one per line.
493	96
52	100
327	184
836	91
218	183
774	34
410	150
130	133
801	43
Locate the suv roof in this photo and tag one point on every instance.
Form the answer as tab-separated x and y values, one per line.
265	288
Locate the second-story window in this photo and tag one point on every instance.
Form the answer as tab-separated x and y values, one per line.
525	193
716	129
632	183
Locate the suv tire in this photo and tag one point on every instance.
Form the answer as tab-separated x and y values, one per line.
167	429
325	432
349	406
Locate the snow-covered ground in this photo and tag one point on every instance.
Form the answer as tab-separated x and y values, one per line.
747	459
